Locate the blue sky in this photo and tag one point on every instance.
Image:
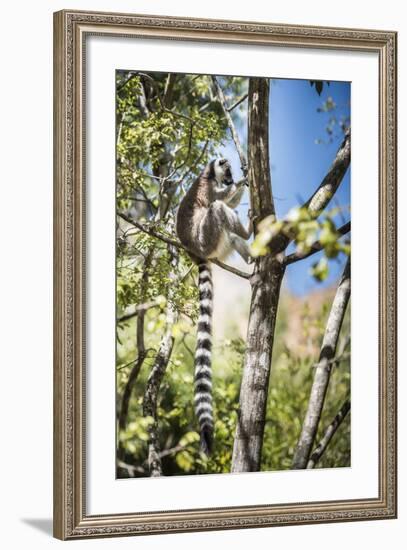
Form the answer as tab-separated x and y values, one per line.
298	163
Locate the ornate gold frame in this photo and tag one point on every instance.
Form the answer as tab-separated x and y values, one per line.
70	31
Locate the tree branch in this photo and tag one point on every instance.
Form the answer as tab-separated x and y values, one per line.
328	435
131	469
320	199
231	269
173	242
322	196
194	164
323	372
127	79
316	247
162	102
150	231
141	307
235	136
238	102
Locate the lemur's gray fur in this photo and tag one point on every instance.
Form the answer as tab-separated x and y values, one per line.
207	225
209	228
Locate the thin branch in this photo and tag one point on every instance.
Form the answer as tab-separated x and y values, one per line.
231	269
149	350
328	435
131	469
172	450
141	307
189	350
173	242
162	103
129	77
136	199
195	164
150	231
316	247
183	163
238	102
323	372
187	272
124	409
235	136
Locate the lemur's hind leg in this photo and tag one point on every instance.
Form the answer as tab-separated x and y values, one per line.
230	220
241	247
237	234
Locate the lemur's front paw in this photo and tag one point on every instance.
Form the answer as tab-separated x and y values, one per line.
252	217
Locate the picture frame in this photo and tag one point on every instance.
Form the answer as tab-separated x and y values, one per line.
71	32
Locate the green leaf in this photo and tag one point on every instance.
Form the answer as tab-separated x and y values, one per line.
319	270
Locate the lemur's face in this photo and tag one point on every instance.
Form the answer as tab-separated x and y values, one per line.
223	171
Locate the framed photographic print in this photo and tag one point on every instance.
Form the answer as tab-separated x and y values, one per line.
214	183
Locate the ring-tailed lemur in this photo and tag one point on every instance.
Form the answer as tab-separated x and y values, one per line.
209	228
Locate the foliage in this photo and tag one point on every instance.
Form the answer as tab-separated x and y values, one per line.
319	85
337	120
305	230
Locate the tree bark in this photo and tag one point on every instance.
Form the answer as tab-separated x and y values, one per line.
323	372
265	282
327	189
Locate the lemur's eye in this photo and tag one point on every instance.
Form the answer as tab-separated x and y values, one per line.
222	161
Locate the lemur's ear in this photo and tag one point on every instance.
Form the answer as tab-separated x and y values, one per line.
210	170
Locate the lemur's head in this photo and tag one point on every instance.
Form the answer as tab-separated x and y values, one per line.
222	171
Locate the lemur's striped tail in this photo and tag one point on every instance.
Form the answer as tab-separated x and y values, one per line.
203	369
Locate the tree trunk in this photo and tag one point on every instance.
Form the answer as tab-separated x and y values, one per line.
265	282
323	372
